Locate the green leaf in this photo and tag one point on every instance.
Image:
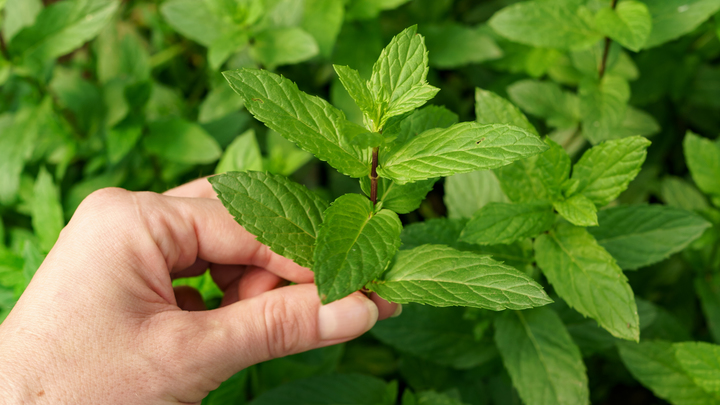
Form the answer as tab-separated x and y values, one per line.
578	210
284	46
546	100
462	148
399	75
121	55
202	21
61	28
424	119
604	171
181	141
654	364
242	154
357	88
708	291
701	361
585	275
323	19
329	390
367	9
629	24
231	391
543	361
399	198
553	169
47	212
703	160
18	15
468	192
354	246
225	45
604	107
636	122
469	45
282	214
437	398
504	223
285	158
674	18
493	109
220	102
439	335
640	235
122	138
521	181
442	276
309	122
547	24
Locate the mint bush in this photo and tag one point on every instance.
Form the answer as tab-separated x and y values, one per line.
538	182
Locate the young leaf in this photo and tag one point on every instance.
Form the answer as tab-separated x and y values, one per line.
284	46
422	120
47	213
468	192
242	154
439	335
399	75
629	24
357	88
546	100
553	169
493	109
640	235
545	364
701	361
310	122
605	170
198	21
282	214
578	210
470	45
654	364
354	246
399	198
498	223
588	279
546	24
462	148
521	181
442	276
604	106
329	389
181	141
703	160
674	18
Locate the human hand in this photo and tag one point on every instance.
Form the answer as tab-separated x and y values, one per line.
101	323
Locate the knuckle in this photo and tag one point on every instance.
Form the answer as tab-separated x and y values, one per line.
287	329
104	199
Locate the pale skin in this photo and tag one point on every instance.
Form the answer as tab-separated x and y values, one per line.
101	323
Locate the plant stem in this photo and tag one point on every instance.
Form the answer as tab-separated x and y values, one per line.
601	72
374	176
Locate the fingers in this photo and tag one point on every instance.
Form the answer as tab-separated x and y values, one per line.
189	299
386	309
277	323
254	281
200	188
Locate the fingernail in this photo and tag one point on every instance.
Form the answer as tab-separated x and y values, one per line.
397	312
347	318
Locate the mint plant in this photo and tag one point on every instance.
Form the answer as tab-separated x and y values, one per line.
350	244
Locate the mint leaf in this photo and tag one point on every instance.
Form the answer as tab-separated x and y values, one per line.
181	141
588	279
47	213
654	364
242	154
547	24
399	198
493	109
604	171
578	210
542	359
282	214
468	192
546	100
703	160
354	246
469	45
219	103
323	19
708	291
521	181
640	235
309	122
604	106
283	46
674	18
677	192
462	148
701	361
439	335
61	28
399	76
629	24
329	390
227	44
284	157
636	122
504	223
442	276
202	22
18	15
424	119
553	169
357	88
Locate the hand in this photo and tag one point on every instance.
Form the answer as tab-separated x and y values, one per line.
101	323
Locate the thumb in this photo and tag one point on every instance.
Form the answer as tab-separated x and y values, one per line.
281	322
